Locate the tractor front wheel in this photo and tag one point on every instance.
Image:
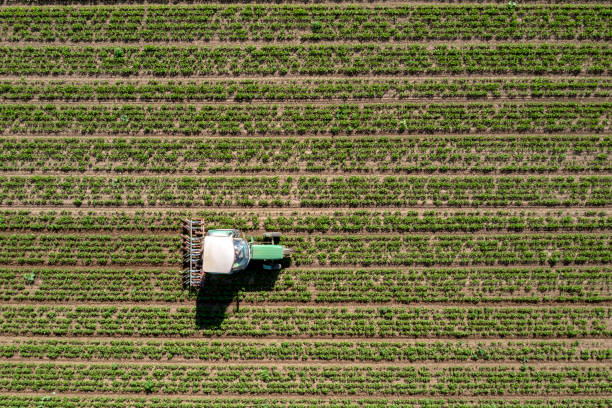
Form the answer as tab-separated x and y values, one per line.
273	237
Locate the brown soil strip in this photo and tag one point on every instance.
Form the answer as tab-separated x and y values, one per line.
174	361
406	136
426	43
258	210
297	397
301	172
302	210
314	266
301	268
140	135
377	175
318	363
136	267
321	211
172	307
319	338
585	343
433	305
293	397
365	234
145	77
269	173
298	102
289	77
306	3
283	175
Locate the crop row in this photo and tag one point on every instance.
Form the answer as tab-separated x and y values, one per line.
304	60
356	221
98	249
304	23
292	350
300	380
302	119
307	322
308	90
535	285
508	249
397	155
21	401
237	2
468	221
312	191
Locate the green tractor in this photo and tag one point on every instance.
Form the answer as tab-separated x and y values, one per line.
225	251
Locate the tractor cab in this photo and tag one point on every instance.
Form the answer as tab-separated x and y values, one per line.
225	252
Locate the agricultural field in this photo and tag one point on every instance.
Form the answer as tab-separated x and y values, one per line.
441	169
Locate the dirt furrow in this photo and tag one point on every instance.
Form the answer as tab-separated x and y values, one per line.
348	307
303	210
315	363
232	306
585	343
321	211
300	268
291	77
476	340
301	172
418	208
285	175
336	3
178	232
145	77
293	397
361	103
307	135
377	175
429	44
301	102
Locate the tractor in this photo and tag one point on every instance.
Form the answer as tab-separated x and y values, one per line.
225	251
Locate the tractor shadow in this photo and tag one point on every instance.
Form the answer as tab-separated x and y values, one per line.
219	293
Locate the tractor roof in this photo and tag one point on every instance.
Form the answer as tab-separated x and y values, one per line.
218	254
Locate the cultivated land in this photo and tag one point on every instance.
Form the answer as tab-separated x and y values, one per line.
441	169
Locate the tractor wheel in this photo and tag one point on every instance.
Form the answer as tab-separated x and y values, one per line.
274	237
286	262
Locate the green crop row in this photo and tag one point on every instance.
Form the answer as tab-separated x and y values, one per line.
304	380
312	351
310	89
307	322
397	155
312	191
304	23
433	221
305	60
507	249
306	119
355	221
20	401
236	2
536	285
98	249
